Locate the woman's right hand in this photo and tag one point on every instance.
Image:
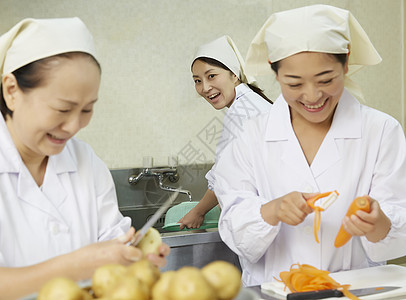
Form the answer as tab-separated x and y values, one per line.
77	265
90	257
193	219
291	209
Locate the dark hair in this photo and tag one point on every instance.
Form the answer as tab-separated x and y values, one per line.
216	63
34	75
341	58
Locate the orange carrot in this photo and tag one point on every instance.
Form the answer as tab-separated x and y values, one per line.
305	278
359	203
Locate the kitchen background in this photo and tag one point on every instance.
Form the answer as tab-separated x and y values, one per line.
148	105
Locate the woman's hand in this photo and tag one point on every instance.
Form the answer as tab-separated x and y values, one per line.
76	265
291	209
160	260
193	219
89	258
374	225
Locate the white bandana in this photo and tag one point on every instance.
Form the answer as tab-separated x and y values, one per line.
34	39
225	51
316	28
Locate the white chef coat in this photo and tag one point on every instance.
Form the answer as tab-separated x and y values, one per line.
364	152
246	105
75	206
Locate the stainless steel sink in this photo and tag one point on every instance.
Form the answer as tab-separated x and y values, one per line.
196	248
140	201
188	248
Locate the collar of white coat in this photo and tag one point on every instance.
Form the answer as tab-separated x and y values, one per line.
240	90
11	162
346	122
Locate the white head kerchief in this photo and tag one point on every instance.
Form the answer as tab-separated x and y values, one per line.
225	51
315	28
34	39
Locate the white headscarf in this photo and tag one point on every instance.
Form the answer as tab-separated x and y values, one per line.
315	28
34	39
225	51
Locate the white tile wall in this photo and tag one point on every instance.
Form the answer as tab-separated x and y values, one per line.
148	105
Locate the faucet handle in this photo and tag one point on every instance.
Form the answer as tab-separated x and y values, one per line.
171	173
133	179
173	177
164	172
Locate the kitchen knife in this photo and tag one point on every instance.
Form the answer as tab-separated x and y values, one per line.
140	233
321	294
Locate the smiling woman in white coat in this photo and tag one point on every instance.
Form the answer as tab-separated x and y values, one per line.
316	138
218	71
58	209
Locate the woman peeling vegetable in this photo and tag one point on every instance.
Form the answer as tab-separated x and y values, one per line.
58	206
316	138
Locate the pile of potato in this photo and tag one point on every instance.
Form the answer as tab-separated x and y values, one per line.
218	280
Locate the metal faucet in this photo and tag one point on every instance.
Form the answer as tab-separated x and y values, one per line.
165	172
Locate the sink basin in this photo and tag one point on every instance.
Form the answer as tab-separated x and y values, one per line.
175	213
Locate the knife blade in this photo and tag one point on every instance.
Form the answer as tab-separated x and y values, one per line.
322	294
140	233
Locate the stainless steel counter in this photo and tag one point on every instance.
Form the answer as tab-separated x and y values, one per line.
196	248
188	238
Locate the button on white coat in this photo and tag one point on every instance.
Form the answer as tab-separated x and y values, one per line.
54	229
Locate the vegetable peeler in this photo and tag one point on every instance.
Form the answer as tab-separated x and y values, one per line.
320	203
323	200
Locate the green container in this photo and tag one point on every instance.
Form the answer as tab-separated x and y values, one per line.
177	212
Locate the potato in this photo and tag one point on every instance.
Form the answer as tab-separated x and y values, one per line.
189	283
224	277
150	242
105	277
86	295
128	288
144	271
61	288
160	291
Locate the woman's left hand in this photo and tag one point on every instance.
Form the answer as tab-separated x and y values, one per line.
193	219
374	225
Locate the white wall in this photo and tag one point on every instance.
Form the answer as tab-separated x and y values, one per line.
404	63
148	105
